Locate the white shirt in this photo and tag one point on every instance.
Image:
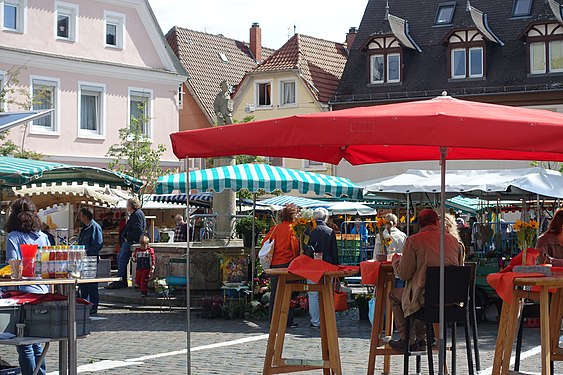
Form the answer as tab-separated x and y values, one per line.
397	243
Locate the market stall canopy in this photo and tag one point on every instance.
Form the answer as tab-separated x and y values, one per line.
409	131
47	196
503	182
9	120
282	200
254	177
16	172
351	208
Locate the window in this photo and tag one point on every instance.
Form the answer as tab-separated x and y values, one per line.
522	8
91	109
394	67
264	94
458	63
288	93
312	164
114	30
140	110
556	56
537	58
377	69
445	13
181	96
13	15
44	96
66	19
476	62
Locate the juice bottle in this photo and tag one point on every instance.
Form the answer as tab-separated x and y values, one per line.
65	265
38	258
45	262
58	262
52	262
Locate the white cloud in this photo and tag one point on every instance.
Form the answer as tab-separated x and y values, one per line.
327	19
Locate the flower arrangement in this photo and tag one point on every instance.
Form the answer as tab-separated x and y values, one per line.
384	241
302	226
526	235
261	281
301	301
235	269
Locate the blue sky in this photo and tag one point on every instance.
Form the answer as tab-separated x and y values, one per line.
327	19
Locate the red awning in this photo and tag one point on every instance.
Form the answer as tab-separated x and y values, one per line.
389	133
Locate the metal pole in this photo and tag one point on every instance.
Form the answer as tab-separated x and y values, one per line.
188	302
539	215
441	341
408	214
253	249
71	327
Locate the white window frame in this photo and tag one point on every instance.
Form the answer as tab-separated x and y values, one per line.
548	63
315	165
134	91
282	83
387	67
71	11
371	60
119	20
56	83
97	87
527	14
21	15
257	95
452	63
468	63
544	70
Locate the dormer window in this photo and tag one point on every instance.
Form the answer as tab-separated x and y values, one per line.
385	55
445	13
545	48
522	8
467	54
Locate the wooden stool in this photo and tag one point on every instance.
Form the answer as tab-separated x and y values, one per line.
274	363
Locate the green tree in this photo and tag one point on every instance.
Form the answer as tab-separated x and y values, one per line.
14	95
135	154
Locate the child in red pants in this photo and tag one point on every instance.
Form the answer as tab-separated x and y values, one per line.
144	257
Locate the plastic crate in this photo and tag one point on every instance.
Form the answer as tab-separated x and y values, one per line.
10	370
51	320
9	317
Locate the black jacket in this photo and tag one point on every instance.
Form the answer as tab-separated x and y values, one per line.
135	227
323	239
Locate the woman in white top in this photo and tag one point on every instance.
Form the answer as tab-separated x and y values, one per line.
398	238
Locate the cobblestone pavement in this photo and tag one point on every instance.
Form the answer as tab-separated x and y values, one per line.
121	341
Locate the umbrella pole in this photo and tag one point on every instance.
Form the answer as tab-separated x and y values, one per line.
408	214
441	341
253	249
188	302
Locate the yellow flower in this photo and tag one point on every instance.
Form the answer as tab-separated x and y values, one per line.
534	224
402	219
518	225
314	224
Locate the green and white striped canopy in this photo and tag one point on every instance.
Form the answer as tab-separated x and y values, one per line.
258	176
16	172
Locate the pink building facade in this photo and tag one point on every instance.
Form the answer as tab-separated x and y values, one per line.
93	62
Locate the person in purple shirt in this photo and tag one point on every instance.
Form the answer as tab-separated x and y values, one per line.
24	227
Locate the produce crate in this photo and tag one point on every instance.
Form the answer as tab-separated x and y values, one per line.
51	320
10	370
9	317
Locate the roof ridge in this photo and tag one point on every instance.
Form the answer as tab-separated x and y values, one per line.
215	35
317	38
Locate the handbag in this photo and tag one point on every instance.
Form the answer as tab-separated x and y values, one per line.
340	297
266	252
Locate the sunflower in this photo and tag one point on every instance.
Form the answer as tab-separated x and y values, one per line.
534	224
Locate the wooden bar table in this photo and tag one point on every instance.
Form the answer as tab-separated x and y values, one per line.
384	284
67	346
274	362
550	321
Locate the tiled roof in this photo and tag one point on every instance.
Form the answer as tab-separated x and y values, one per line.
200	54
426	73
319	61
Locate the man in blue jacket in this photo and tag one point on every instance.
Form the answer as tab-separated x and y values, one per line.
135	227
91	238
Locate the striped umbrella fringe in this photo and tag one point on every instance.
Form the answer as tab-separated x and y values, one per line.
283	200
181	198
254	177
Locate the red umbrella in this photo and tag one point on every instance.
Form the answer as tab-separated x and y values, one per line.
423	130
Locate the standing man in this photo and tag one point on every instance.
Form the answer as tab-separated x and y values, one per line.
181	232
135	227
321	240
90	237
421	250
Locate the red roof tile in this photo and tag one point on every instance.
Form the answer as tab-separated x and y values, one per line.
320	62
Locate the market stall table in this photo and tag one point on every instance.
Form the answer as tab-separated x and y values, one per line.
67	346
330	363
550	321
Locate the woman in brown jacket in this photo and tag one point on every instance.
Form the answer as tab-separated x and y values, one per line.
550	244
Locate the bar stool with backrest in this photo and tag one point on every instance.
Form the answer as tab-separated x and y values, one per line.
457	305
473	313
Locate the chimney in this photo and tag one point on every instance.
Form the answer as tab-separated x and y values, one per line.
350	37
256	42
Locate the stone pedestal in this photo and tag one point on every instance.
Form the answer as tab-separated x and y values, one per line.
224	205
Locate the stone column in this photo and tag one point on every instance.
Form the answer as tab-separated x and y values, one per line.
224	205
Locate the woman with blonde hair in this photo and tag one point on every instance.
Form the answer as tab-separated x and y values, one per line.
451	228
286	248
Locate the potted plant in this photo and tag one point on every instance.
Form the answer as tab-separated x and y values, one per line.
243	228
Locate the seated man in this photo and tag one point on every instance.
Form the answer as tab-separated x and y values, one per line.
421	250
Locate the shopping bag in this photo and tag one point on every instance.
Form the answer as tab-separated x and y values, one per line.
340	298
265	254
